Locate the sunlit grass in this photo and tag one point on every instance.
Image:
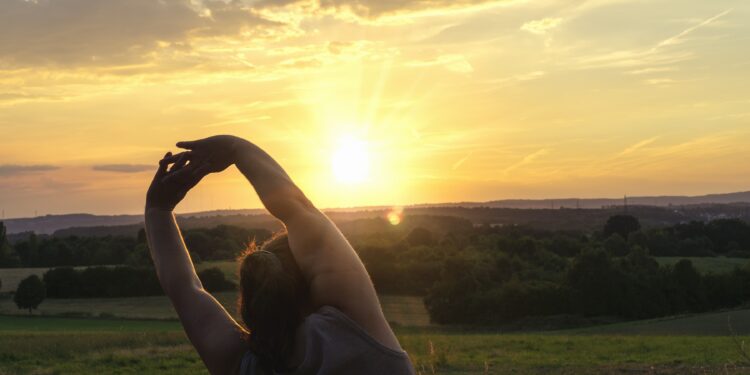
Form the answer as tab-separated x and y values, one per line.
59	345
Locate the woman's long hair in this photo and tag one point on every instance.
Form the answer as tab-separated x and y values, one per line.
273	299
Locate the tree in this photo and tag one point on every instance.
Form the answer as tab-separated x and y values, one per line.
689	285
622	225
30	293
141	238
420	236
214	280
616	246
8	257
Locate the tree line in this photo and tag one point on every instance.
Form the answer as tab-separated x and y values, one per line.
472	274
218	243
104	282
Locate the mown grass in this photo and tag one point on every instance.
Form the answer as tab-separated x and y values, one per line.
41	345
400	310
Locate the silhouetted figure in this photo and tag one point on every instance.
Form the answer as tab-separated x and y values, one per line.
307	301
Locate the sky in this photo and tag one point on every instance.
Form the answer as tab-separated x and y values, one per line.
374	102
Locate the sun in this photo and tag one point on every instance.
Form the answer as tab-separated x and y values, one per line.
350	161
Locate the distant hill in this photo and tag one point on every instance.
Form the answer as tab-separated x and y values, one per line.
658	201
517	211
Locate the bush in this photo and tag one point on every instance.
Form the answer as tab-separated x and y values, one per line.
102	282
622	225
30	293
214	280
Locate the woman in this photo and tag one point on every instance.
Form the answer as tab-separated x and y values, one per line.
307	301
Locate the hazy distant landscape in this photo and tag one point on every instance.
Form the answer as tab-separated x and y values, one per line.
675	209
470	289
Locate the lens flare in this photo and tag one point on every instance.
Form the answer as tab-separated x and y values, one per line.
395	215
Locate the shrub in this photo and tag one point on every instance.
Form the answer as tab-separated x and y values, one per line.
30	293
214	280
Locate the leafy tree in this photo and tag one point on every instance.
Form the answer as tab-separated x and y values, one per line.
420	237
30	293
63	282
140	256
8	257
214	280
689	285
596	283
141	237
616	246
622	225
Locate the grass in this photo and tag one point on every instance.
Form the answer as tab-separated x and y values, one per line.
53	344
43	345
716	265
399	310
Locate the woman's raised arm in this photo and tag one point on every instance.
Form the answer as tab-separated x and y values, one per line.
215	335
333	270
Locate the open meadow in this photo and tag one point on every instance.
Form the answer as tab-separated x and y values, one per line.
141	335
48	345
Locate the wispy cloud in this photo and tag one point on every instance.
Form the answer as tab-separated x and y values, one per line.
461	161
660	69
528	159
679	38
637	146
654	58
454	63
14	169
542	26
123	168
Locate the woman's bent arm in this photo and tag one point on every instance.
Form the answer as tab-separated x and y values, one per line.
335	273
215	335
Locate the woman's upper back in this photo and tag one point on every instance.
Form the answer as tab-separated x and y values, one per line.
335	344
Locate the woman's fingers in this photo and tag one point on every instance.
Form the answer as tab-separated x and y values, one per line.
180	161
163	164
189	145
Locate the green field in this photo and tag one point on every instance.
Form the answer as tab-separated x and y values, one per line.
77	336
399	310
716	265
43	345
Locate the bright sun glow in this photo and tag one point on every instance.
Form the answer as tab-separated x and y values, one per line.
350	161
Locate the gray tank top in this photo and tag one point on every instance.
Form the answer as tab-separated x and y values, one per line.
335	344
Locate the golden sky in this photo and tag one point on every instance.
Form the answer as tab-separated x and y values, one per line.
374	102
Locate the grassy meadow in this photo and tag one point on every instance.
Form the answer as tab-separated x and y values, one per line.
141	335
48	345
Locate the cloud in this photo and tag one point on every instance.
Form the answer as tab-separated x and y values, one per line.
461	161
656	57
542	26
113	32
123	168
528	159
14	169
453	62
374	9
637	146
678	38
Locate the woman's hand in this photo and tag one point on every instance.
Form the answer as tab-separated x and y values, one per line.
218	152
170	185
